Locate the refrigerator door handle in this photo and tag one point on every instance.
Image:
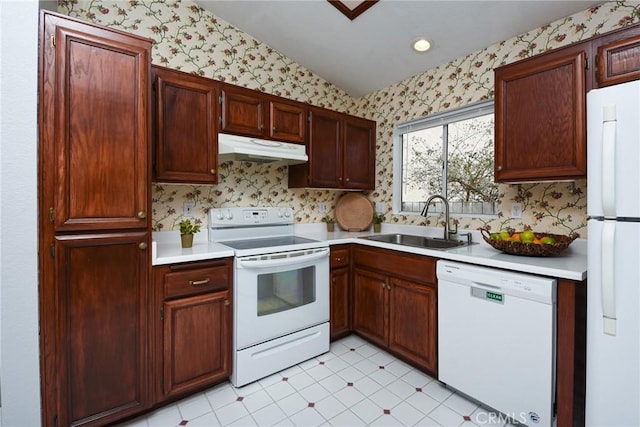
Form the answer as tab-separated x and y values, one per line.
608	277
609	161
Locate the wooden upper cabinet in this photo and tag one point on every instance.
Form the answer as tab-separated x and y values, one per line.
358	153
341	150
288	121
186	141
618	59
324	150
96	86
252	113
540	118
243	111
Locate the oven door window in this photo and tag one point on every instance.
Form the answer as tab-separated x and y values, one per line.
285	290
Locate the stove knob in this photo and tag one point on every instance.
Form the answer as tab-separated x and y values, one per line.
229	214
287	213
219	215
280	213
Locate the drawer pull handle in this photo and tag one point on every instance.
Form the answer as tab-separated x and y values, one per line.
338	259
199	282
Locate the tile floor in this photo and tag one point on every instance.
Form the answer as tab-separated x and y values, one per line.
354	384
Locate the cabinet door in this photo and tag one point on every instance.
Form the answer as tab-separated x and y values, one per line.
243	111
359	153
618	61
325	154
96	90
197	342
340	303
288	122
186	148
540	117
412	322
102	333
370	305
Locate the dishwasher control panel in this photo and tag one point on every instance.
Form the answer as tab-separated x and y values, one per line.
502	283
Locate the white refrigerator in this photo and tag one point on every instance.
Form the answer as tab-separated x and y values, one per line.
613	282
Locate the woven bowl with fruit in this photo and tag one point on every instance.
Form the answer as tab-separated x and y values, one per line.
527	242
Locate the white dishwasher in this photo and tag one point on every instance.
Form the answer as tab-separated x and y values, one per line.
496	339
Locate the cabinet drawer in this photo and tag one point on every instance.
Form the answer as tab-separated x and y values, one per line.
191	280
339	258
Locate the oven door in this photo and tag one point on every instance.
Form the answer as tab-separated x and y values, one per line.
281	293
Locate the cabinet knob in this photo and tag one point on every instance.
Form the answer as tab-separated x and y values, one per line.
333	279
143	245
261	127
213	171
338	259
227	303
382	285
499	167
142	214
275	129
347	179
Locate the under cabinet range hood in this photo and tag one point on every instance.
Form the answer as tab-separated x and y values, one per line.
247	149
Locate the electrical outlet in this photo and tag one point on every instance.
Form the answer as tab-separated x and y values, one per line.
516	210
322	208
187	208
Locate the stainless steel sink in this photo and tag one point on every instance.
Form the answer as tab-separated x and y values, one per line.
417	241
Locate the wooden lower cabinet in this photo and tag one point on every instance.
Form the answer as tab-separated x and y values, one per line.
194	333
101	350
340	292
370	305
412	322
395	304
340	303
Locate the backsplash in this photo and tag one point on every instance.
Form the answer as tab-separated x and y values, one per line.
193	40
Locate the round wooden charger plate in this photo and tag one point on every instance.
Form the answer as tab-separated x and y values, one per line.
354	212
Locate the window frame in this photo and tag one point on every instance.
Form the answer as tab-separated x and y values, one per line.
439	119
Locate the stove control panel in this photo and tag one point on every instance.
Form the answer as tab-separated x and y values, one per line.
250	216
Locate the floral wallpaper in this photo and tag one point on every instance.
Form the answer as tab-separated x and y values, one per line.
194	40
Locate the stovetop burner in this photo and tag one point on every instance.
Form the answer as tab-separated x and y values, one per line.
257	230
267	242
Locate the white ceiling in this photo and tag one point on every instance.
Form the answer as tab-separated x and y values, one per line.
373	51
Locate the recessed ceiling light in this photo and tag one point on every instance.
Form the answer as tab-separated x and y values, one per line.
421	44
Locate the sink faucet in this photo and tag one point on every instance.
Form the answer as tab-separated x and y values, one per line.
447	231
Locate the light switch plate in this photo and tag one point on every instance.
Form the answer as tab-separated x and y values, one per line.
187	208
516	210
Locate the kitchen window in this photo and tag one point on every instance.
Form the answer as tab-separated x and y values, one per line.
451	154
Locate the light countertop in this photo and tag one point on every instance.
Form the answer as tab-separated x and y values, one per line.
570	264
167	249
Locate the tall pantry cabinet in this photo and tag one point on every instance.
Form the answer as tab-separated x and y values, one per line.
94	210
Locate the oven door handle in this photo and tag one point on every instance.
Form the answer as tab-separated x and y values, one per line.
276	262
